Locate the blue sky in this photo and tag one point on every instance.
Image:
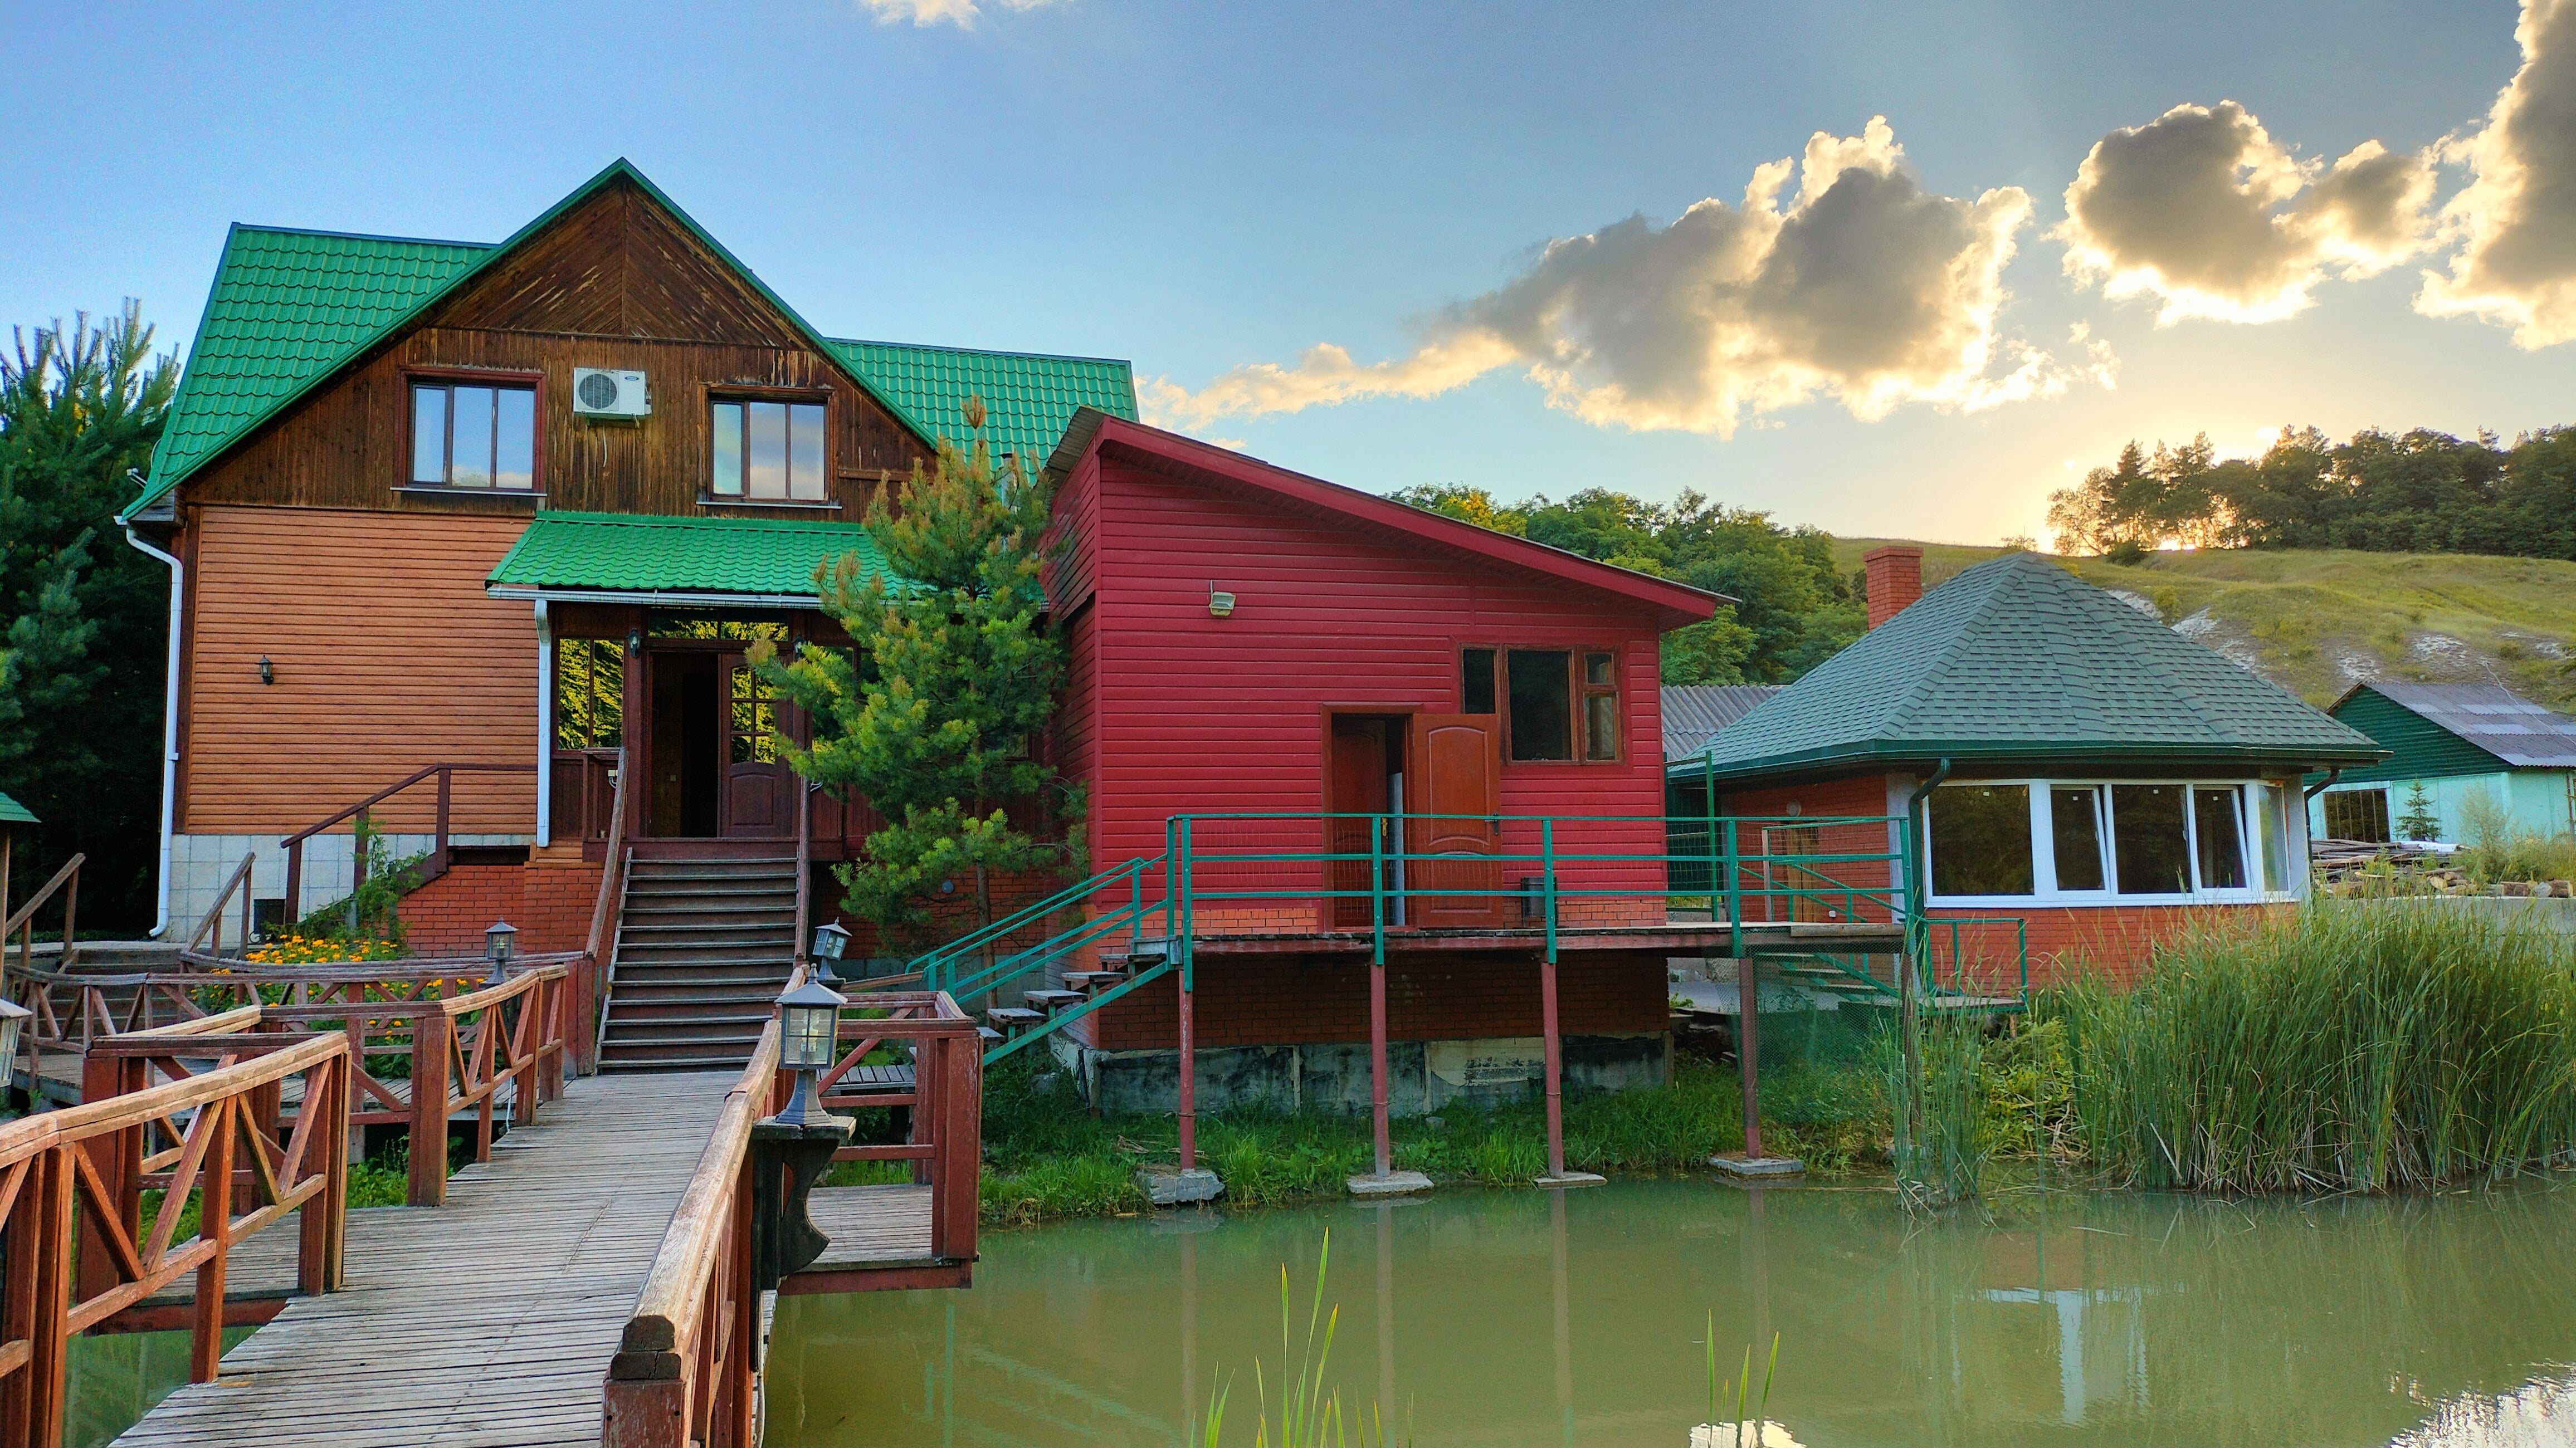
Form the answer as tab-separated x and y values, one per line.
1208	188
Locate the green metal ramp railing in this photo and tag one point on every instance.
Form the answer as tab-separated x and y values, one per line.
959	967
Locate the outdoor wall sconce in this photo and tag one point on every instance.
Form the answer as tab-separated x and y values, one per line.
634	643
497	943
831	942
267	670
792	1149
1220	603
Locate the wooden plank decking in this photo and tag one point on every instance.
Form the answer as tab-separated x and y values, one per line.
490	1321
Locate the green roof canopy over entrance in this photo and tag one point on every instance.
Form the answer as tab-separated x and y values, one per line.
2018	660
632	557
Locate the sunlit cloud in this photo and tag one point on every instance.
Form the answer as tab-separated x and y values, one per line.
2202	210
961	13
2515	222
1860	286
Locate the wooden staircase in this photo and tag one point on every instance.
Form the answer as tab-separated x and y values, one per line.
704	947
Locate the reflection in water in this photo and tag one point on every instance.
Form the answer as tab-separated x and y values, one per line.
1506	1318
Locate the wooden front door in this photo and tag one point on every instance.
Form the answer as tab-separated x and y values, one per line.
759	788
1453	805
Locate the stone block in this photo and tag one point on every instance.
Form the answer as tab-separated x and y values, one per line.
1393	1184
1179	1188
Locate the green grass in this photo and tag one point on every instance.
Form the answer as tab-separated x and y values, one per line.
2351	1046
1048	1157
2309	618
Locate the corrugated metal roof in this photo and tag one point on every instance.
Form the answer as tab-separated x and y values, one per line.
290	307
635	553
2494	718
1693	713
2018	659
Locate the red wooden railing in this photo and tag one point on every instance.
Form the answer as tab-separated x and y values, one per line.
81	1172
213	923
590	986
428	869
21	922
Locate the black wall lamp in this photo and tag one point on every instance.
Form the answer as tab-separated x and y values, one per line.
634	643
267	670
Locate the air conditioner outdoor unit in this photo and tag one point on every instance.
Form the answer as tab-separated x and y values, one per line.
597	392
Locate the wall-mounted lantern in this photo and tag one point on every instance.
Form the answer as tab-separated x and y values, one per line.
831	942
1220	603
634	643
267	670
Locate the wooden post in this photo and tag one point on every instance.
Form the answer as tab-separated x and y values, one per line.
429	1037
1555	1066
1189	1081
71	917
214	1224
117	1159
1748	1052
18	1278
49	1359
961	1143
1377	1062
294	884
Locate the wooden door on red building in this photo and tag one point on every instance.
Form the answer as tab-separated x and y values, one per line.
1453	805
758	786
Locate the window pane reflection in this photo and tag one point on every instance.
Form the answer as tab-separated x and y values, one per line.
1600	726
2075	823
2221	837
429	435
1542	720
725	420
470	447
768	450
805	460
1981	839
2147	833
514	464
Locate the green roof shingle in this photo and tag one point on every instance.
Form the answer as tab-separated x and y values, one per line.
289	308
14	813
2017	659
642	554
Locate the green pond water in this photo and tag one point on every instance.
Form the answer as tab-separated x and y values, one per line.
1502	1318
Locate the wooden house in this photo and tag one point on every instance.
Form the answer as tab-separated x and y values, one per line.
2074	774
2471	749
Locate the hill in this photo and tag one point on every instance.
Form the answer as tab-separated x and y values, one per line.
2319	621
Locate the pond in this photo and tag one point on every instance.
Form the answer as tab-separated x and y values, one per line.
1507	1318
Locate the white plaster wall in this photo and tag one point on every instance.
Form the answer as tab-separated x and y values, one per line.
2537	800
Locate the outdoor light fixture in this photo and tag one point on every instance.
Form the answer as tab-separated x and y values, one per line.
634	643
831	942
267	670
1220	603
497	942
811	1018
13	1018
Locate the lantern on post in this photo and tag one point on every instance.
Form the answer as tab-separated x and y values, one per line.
809	1039
831	942
498	942
13	1019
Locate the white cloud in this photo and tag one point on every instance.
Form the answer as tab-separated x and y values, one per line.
2203	210
961	13
2515	222
1863	287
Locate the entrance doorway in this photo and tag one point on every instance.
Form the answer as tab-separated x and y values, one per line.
1366	778
711	726
687	785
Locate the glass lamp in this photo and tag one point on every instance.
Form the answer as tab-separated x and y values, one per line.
809	1039
831	942
498	941
13	1018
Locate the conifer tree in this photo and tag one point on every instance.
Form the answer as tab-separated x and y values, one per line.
934	717
2419	821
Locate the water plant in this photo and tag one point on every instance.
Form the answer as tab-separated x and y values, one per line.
1310	1414
1943	1159
2348	1045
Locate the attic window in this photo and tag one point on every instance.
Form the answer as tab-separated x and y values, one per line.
767	451
470	436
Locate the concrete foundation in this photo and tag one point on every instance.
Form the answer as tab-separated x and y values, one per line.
1333	1076
1393	1184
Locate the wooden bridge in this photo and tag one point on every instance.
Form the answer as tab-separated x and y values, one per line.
591	1278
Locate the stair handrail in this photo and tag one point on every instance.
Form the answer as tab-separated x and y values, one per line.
591	989
1055	947
293	844
214	917
804	867
22	921
931	966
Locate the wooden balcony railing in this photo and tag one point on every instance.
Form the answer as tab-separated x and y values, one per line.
80	1172
21	922
428	869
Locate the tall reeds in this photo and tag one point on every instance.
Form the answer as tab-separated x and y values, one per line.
2346	1046
1942	1141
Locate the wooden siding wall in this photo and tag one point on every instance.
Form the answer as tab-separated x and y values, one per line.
2420	748
615	283
388	657
1201	714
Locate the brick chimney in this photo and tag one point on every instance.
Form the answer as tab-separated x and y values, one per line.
1895	580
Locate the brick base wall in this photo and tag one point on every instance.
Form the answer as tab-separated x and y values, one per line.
1287	1000
549	902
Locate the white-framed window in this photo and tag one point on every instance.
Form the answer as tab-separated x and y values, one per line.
2359	812
2108	841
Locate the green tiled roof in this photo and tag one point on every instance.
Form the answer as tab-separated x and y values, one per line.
289	308
2018	659
14	813
1028	398
636	553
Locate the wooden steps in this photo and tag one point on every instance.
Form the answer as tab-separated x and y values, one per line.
704	947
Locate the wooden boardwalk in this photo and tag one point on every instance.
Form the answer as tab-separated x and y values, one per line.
488	1321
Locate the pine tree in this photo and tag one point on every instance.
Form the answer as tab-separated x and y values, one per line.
2419	821
934	717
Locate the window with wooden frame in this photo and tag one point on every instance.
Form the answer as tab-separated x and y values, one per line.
1559	706
472	433
768	450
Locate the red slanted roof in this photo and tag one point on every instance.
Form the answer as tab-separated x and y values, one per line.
1135	444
